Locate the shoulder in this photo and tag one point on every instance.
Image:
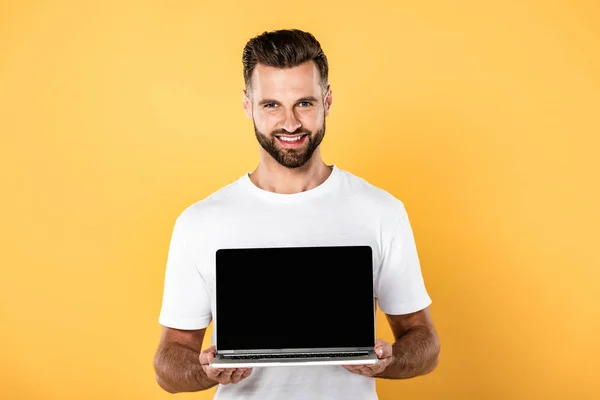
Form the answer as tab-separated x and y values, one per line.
377	199
211	205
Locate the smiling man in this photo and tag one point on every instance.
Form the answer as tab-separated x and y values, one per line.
292	198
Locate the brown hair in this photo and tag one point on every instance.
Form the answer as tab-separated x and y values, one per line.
284	48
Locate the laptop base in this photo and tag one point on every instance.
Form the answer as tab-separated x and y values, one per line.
220	362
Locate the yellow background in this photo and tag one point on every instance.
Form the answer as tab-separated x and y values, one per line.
483	117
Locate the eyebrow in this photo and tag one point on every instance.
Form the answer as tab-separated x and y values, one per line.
303	99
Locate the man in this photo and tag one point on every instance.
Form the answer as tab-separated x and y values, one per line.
291	199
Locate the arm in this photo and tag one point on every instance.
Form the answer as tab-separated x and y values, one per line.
177	362
416	348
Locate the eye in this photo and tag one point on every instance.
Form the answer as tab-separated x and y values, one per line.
305	104
270	105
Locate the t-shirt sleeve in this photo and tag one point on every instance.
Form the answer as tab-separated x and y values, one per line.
400	287
185	303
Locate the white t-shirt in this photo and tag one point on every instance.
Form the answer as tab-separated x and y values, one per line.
343	210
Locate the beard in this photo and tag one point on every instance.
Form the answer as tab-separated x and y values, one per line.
290	158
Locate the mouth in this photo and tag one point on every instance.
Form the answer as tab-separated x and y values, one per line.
291	141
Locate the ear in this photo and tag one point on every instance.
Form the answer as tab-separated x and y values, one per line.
247	104
328	100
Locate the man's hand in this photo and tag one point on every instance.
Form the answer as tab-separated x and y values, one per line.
224	376
384	355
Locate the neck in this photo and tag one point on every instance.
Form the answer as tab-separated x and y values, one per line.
271	176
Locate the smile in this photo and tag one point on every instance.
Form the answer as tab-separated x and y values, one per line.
292	140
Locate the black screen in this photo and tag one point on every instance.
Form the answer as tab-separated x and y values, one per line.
294	297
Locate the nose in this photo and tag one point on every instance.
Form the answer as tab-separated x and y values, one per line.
291	123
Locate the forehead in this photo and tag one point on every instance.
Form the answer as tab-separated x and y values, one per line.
301	80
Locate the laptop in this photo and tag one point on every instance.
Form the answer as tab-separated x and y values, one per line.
294	306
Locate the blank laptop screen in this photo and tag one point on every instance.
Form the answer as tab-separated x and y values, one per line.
294	297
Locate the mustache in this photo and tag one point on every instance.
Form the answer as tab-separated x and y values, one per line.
296	132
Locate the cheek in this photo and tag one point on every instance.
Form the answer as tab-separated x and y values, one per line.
265	123
311	119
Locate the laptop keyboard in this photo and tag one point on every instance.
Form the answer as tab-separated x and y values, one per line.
299	355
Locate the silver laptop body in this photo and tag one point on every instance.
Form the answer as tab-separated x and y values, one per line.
294	306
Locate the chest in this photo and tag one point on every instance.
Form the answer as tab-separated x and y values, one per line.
283	226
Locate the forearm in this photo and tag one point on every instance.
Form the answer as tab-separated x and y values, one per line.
415	353
178	369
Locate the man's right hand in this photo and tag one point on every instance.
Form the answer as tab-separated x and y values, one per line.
224	376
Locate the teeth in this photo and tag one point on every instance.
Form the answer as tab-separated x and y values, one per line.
289	139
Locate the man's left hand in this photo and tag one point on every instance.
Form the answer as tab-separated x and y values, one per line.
384	355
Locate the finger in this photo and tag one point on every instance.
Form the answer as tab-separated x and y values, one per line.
236	376
357	369
214	374
247	373
225	377
369	370
370	367
374	368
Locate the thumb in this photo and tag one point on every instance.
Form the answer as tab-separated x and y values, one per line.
383	349
207	355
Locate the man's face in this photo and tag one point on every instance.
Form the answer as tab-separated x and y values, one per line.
288	110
